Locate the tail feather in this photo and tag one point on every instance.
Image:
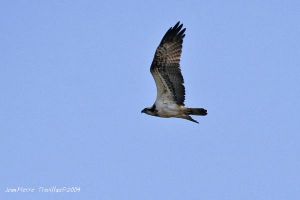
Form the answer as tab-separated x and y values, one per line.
196	111
190	119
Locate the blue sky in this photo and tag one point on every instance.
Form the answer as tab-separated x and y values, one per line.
74	76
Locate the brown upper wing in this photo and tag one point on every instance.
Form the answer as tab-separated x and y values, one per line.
165	67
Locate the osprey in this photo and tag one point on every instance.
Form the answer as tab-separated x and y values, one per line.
165	69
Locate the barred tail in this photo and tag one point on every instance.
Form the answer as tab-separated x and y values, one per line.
196	111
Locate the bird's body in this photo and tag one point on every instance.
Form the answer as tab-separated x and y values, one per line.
166	72
167	110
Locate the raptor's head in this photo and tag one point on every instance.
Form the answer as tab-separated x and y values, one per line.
150	111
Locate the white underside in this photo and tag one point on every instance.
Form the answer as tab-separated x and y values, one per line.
165	105
169	110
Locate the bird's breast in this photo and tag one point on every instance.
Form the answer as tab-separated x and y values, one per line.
168	110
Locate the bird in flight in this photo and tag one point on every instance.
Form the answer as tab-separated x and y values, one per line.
165	69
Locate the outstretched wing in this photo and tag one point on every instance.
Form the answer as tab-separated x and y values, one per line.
165	67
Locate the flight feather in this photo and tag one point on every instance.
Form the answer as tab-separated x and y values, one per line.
165	67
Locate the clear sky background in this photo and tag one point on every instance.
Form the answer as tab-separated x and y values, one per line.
74	77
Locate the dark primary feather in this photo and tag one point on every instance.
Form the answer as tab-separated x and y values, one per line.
166	62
